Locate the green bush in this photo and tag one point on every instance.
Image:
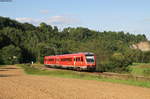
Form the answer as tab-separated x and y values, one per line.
120	62
117	63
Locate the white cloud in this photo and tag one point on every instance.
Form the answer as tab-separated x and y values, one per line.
61	20
54	20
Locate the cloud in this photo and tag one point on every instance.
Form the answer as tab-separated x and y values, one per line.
54	20
44	11
61	20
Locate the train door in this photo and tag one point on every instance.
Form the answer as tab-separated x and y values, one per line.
57	61
74	61
78	61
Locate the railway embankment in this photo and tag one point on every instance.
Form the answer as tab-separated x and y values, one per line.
106	76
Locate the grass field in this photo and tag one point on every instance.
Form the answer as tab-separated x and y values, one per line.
140	69
81	75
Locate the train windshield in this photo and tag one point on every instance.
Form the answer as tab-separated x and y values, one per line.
90	58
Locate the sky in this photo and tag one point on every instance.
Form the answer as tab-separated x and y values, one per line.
131	16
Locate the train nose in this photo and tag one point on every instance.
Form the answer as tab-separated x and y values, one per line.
90	64
91	67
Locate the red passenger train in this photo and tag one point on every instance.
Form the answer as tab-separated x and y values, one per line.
77	61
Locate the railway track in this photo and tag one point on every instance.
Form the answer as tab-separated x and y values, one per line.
101	74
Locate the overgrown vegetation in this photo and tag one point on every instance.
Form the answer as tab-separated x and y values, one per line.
72	74
140	69
23	43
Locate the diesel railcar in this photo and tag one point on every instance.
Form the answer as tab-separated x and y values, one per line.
76	61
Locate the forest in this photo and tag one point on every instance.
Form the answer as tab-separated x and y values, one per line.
24	42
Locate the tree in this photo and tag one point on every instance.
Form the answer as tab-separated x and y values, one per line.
10	55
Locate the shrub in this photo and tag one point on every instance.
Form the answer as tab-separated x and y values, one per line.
117	63
120	62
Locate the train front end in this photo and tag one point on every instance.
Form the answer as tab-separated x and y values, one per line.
90	61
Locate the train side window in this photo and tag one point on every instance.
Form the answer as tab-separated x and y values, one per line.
78	59
51	59
66	59
69	59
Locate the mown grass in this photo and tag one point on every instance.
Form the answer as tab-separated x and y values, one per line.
140	69
81	75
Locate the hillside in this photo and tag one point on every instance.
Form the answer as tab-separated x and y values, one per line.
24	42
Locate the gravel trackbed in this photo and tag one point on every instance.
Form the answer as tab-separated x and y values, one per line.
15	84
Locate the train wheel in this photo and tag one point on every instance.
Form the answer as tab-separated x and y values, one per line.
78	69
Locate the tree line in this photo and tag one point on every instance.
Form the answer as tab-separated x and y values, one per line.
24	42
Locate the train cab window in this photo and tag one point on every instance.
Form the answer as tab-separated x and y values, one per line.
90	58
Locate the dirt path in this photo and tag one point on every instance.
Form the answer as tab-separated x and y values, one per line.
14	84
